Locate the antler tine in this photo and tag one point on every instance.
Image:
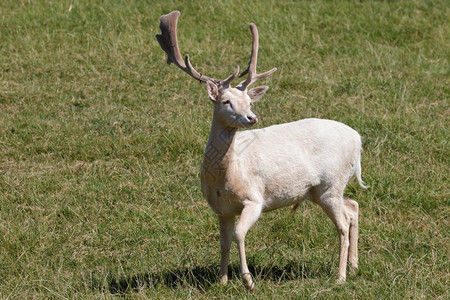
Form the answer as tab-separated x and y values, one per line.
251	70
169	43
254	54
233	76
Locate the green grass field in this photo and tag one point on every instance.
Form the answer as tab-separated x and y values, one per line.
101	143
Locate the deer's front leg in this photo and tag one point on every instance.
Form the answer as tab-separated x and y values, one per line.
249	216
226	224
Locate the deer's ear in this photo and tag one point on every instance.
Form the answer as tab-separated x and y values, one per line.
213	90
256	93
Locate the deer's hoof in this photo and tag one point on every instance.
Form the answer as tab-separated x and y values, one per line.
340	280
223	279
248	282
353	271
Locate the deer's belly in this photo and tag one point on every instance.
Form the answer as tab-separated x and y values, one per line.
229	204
285	195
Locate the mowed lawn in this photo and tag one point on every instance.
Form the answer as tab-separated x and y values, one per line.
101	143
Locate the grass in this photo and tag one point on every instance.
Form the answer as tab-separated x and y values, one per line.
101	144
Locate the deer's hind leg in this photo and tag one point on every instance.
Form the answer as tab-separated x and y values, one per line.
332	202
352	209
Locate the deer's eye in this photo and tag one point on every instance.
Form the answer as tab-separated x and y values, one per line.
227	102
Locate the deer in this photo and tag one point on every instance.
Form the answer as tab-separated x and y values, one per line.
249	172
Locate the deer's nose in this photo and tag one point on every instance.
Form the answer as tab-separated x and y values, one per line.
252	119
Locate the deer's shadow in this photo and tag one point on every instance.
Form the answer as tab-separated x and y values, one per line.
202	277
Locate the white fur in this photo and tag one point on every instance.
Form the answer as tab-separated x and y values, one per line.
250	172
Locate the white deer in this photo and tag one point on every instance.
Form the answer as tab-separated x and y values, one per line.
254	171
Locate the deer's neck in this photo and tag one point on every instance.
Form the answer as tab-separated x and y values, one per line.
220	146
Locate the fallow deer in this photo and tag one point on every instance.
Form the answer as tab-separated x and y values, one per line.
250	172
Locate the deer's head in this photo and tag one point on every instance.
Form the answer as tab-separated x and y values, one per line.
232	104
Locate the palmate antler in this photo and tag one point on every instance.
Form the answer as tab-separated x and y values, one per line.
251	70
169	43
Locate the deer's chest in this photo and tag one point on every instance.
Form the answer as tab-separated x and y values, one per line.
224	202
225	195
